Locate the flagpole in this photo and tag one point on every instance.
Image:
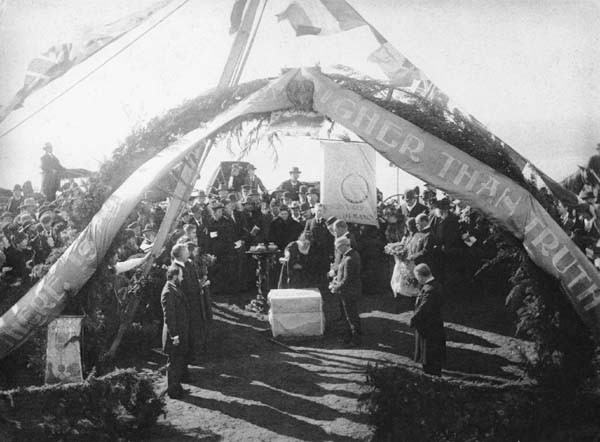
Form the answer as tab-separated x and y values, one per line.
192	165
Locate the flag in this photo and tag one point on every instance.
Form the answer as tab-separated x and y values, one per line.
398	68
321	17
59	58
348	186
235	19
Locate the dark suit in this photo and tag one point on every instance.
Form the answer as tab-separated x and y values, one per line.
449	248
293	188
430	338
348	285
51	171
255	183
321	251
176	314
190	286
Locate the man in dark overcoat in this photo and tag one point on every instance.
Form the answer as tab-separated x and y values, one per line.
321	248
176	329
430	338
51	172
348	286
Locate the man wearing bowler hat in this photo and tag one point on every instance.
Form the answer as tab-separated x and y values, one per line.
51	171
293	184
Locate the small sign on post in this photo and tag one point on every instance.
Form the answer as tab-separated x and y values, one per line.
63	350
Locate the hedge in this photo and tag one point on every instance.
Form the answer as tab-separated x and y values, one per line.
406	405
118	406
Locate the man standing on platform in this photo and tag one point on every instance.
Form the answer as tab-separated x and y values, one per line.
348	286
176	327
51	171
255	183
430	338
293	184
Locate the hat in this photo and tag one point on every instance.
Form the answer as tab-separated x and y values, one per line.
133	225
295	170
223	186
25	218
295	205
28	202
26	225
247	201
47	145
235	166
232	197
288	194
148	228
254	193
443	203
17	187
303	189
312	191
304	207
331	220
274	203
284	208
217	205
409	194
251	167
201	193
48	214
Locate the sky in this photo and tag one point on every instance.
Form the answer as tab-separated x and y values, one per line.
528	70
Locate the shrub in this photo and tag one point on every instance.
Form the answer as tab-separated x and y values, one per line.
118	406
407	406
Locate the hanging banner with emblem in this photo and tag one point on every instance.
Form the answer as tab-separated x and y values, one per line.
348	184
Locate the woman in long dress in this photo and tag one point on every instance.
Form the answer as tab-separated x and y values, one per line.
404	283
295	269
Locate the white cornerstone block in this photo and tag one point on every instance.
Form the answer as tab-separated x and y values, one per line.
296	312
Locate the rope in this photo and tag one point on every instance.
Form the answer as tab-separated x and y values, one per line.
86	76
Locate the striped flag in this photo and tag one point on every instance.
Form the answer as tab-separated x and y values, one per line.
58	59
399	69
321	17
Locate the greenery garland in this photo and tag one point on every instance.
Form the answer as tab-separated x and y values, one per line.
541	291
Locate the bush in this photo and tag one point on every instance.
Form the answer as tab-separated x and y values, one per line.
118	406
408	406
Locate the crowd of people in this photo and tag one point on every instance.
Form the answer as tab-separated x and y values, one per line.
432	242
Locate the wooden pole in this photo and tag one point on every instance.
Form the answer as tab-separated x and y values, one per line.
193	163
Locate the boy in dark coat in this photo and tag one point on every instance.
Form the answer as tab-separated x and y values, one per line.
176	329
430	338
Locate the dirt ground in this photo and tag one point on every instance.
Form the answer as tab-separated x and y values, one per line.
252	388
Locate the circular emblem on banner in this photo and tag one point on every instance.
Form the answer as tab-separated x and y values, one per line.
355	188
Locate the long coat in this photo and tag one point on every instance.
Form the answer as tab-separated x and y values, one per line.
176	314
321	244
51	170
348	280
430	338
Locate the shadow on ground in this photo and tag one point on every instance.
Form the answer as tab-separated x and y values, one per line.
251	387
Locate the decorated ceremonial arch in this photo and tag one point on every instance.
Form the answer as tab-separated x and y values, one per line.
445	149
